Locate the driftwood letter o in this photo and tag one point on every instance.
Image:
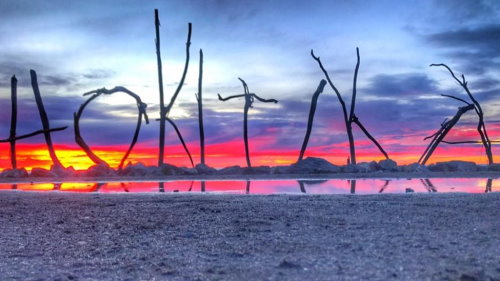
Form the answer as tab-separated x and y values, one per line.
141	107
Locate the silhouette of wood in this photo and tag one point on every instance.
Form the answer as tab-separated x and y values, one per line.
44	119
199	98
351	118
165	111
481	127
160	85
442	132
310	121
181	139
51	130
356	121
13	121
141	107
249	99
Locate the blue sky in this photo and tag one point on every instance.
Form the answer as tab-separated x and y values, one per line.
78	46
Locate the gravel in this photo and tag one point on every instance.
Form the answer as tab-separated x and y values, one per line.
72	236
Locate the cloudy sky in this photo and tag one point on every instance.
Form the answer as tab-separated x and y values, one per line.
78	46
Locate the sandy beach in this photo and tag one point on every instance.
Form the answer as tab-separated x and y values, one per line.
69	236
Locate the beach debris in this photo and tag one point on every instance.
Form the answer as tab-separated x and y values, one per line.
165	110
448	124
409	190
310	120
351	118
141	109
249	99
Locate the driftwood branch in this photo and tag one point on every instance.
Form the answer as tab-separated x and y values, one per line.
181	139
199	98
45	120
342	104
310	121
456	98
249	99
230	97
141	108
462	142
160	84
442	132
13	121
481	127
186	65
355	120
33	134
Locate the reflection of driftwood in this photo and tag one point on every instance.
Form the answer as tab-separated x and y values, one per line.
351	118
310	121
141	107
384	186
481	127
248	187
489	184
160	84
44	119
249	99
161	187
199	98
442	132
353	186
428	185
302	186
13	121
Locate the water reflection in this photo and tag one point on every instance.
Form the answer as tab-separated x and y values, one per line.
333	186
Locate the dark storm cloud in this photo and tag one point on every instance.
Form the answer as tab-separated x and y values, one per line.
401	85
477	49
99	74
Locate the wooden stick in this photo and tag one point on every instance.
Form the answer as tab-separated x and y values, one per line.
141	108
444	131
160	86
355	120
44	119
13	121
34	134
199	98
344	110
481	127
181	139
310	121
249	99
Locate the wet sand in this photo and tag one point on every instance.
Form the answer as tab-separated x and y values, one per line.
69	236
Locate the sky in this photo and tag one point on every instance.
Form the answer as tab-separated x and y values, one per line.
79	46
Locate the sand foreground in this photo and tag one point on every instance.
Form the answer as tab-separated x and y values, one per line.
68	236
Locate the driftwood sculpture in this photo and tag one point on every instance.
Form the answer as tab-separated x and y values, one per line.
249	99
141	107
13	122
310	121
44	119
447	125
351	118
199	99
165	110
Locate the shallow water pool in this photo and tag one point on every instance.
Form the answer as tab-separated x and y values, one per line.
301	186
